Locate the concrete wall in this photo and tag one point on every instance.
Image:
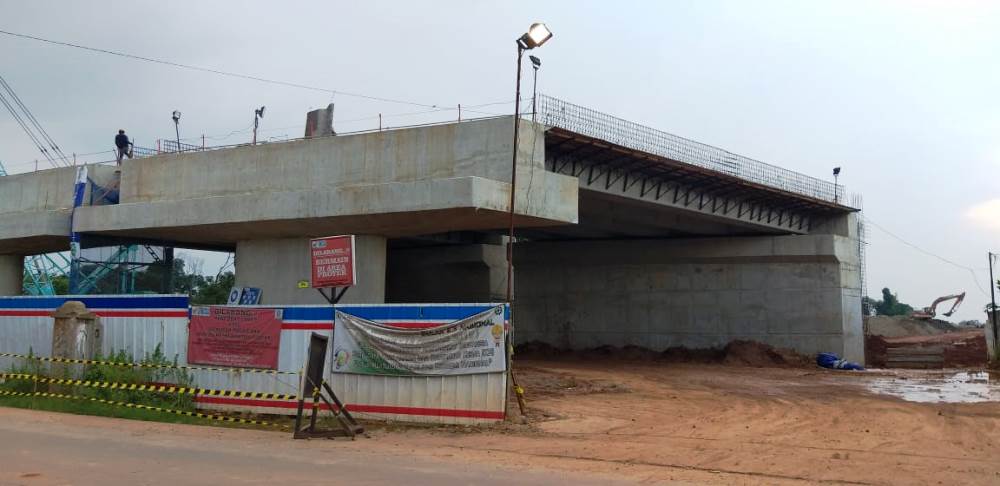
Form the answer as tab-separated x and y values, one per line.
277	266
800	292
11	274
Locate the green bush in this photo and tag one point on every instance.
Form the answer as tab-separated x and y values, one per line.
139	375
112	374
27	366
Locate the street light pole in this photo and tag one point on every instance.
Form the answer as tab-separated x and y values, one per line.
836	184
993	308
513	177
535	64
257	115
537	35
177	118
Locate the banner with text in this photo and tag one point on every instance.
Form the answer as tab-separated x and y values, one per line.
475	344
234	336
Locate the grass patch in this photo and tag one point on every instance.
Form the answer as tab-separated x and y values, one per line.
111	374
81	407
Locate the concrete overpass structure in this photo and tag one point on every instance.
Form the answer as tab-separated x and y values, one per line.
627	235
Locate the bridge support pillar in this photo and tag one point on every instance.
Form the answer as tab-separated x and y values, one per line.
11	274
800	291
277	266
448	273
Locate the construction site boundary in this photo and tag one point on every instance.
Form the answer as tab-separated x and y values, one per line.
138	324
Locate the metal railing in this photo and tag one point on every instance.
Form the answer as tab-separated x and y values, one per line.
172	146
554	112
138	151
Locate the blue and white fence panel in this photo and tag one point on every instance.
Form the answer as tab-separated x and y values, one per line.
139	323
136	324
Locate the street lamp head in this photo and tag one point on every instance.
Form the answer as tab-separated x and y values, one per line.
176	116
537	35
836	171
535	62
260	112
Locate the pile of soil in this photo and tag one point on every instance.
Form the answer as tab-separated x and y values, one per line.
550	383
736	353
962	349
752	353
899	326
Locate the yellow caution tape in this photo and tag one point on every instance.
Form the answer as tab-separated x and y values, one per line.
150	388
220	418
145	365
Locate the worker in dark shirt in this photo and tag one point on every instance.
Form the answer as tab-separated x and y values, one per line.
124	146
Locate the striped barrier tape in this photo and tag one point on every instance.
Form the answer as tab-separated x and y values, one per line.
145	365
219	418
150	388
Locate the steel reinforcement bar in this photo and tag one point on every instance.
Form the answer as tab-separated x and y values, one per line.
553	112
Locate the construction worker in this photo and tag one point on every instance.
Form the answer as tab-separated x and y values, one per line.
124	146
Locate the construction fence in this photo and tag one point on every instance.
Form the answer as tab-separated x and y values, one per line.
141	324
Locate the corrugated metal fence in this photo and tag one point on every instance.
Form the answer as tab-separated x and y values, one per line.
138	324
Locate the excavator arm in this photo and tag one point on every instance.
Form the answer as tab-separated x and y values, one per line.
931	312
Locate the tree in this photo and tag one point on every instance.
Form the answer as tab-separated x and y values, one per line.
203	290
889	305
214	290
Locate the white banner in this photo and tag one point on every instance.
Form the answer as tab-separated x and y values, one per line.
475	344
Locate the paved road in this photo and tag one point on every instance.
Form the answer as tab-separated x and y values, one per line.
42	448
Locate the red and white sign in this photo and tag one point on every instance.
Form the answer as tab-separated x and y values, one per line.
238	337
333	261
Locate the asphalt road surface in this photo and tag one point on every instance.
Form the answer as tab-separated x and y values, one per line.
42	448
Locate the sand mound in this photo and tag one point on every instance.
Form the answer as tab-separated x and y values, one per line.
899	326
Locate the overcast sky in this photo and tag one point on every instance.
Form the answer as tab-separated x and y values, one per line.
902	95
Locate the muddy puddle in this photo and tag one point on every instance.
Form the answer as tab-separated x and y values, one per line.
961	387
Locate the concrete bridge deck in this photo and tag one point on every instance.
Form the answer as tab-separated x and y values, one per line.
409	192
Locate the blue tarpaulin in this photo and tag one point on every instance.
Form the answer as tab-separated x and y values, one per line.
832	361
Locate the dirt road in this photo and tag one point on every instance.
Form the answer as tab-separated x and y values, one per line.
594	422
42	448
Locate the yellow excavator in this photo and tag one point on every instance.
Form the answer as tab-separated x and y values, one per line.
931	312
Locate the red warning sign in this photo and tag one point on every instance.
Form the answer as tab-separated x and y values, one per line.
333	261
242	337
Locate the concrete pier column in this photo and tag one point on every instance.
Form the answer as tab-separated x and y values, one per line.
277	266
11	274
448	273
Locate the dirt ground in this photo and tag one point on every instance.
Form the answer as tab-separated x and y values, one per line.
731	424
638	421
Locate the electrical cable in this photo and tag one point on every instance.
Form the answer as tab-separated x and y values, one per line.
38	126
31	135
972	271
219	71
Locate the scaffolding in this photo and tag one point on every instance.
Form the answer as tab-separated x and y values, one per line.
112	269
